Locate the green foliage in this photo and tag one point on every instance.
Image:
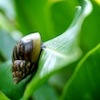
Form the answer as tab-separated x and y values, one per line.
3	97
62	70
84	83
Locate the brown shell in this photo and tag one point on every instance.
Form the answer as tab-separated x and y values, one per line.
25	56
21	69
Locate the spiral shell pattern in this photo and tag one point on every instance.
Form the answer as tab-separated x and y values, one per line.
25	56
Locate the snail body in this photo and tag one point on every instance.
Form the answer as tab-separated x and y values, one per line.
25	56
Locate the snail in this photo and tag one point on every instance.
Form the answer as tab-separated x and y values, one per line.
25	56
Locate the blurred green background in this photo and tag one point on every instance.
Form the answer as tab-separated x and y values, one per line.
51	18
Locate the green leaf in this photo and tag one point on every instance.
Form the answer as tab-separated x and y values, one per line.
49	94
60	51
3	96
14	92
48	17
6	44
85	81
97	1
90	35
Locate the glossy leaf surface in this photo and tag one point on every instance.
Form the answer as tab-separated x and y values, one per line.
54	56
84	83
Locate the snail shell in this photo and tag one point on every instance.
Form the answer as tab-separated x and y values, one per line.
25	56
